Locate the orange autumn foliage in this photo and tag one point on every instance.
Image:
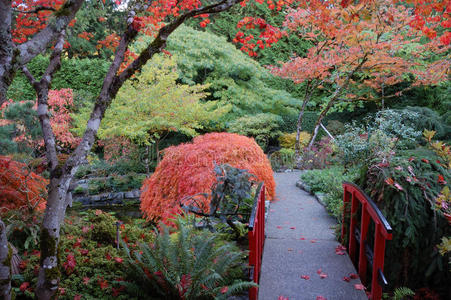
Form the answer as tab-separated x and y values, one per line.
187	169
20	188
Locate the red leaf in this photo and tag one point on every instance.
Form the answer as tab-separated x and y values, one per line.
70	264
306	277
441	180
118	260
224	290
292	227
359	286
77	297
353	276
24	286
86	280
319	271
321	298
340	250
280	297
103	284
347	279
323	275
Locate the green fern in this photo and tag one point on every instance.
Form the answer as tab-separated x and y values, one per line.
401	293
188	264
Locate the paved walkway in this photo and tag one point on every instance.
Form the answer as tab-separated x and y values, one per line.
300	241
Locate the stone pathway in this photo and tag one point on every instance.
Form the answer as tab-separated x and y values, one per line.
300	241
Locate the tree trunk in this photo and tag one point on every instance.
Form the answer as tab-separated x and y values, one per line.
6	253
157	149
6	49
297	146
318	123
334	98
49	274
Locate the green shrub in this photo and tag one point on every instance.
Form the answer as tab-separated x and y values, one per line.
282	159
288	140
189	264
405	188
329	182
335	127
387	131
262	127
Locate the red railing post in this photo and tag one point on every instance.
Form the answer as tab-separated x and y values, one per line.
346	202
256	236
365	221
382	233
352	239
378	262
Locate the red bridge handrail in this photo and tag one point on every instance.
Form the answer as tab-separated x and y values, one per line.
256	237
383	232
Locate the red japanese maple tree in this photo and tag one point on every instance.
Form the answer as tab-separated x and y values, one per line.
187	169
358	49
20	188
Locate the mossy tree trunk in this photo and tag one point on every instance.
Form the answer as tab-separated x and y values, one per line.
5	264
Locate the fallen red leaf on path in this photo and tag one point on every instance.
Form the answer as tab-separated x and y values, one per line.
353	276
323	275
282	298
340	250
279	227
313	241
302	238
359	286
321	298
319	271
293	227
306	277
346	278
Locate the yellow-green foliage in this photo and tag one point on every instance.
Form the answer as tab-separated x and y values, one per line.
288	140
153	104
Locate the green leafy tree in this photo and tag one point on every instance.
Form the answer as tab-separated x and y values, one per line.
263	127
153	105
233	77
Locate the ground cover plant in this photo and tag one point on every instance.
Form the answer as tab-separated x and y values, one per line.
329	181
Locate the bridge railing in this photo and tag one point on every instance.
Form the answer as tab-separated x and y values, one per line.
256	236
358	238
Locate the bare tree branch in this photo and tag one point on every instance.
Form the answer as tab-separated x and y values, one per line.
35	10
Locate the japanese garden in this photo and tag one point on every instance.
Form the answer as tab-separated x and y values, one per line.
225	149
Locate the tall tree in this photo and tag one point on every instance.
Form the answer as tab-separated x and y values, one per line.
358	47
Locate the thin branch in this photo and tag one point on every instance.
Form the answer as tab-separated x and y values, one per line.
36	10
